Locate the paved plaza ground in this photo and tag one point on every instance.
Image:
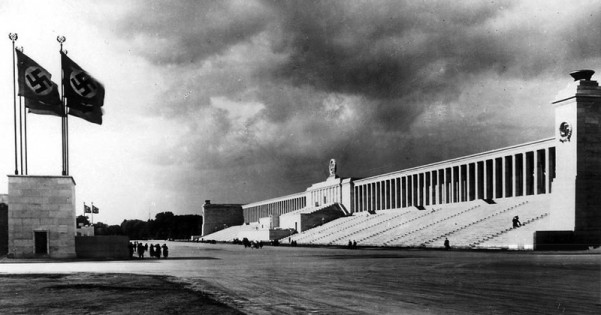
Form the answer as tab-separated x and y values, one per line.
288	280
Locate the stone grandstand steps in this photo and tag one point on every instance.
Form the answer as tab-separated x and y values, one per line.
386	217
230	233
345	230
422	228
514	238
307	236
376	238
477	218
498	224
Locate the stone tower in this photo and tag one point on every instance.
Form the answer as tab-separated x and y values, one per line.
576	201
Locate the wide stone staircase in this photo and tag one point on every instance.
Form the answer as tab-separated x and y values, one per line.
330	228
230	233
475	224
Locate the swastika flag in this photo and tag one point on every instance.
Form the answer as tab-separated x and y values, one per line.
35	84
84	94
86	209
94	209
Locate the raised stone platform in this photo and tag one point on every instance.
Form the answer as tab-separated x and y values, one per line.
41	216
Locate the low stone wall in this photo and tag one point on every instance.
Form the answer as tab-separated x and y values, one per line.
102	247
566	240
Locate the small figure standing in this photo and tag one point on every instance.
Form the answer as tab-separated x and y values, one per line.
165	251
350	244
157	251
447	244
151	252
516	222
354	244
140	250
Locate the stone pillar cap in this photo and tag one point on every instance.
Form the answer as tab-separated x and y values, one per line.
584	74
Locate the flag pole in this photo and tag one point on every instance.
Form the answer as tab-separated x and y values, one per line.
21	132
61	40
13	37
21	125
25	127
26	155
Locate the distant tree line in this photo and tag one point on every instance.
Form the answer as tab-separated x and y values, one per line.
165	225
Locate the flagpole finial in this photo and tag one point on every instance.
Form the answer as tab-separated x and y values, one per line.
13	36
61	39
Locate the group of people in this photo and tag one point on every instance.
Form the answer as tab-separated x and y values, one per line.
251	244
352	244
155	250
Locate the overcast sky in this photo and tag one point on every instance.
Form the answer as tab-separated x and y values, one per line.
239	101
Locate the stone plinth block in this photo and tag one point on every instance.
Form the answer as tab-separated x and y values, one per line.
41	216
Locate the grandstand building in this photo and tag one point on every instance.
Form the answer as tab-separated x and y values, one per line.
552	185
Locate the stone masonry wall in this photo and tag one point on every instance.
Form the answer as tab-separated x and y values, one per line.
588	180
3	226
41	204
216	216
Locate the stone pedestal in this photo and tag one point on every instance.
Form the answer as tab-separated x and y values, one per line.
41	216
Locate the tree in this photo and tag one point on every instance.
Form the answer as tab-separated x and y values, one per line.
135	229
83	220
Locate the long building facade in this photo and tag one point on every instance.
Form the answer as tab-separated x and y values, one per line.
565	168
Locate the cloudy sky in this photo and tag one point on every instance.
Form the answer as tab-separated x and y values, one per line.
239	101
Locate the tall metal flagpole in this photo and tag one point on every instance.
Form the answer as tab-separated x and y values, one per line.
24	155
61	40
13	37
21	132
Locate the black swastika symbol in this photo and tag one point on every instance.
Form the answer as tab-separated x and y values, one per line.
38	81
83	84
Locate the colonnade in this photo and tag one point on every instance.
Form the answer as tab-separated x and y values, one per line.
517	171
321	196
253	212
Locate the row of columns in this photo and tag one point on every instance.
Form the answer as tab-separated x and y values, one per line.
325	195
526	173
252	214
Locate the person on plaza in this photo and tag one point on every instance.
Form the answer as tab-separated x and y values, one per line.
141	250
151	252
350	244
157	251
130	247
447	244
354	244
165	251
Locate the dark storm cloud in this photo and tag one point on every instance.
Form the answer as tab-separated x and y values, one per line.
386	49
184	32
379	85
